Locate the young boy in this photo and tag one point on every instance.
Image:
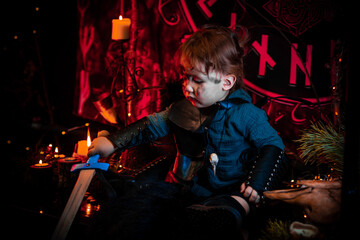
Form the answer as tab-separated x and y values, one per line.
228	153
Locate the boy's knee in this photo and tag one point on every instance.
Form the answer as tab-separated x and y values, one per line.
243	203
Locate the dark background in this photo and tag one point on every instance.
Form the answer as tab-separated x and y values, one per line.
38	70
38	75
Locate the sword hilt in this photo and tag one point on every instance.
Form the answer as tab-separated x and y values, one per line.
92	163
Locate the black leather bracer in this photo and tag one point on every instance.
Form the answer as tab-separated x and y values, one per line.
134	134
268	169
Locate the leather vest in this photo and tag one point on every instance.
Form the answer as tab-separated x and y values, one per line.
187	122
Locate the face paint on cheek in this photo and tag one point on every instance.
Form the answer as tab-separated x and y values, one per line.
200	88
215	77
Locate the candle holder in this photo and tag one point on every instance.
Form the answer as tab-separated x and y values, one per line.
124	85
66	179
41	165
41	182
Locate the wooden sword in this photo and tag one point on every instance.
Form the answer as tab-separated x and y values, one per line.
87	172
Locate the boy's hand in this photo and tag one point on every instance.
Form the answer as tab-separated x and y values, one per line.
102	146
250	193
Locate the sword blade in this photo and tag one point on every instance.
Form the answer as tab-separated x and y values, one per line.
73	204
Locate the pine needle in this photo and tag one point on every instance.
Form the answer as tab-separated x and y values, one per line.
276	230
322	144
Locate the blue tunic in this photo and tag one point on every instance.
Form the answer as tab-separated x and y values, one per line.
235	128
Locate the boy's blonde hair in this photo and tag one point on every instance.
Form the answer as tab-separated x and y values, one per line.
217	48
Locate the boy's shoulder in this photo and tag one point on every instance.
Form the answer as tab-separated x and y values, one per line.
240	93
241	105
238	99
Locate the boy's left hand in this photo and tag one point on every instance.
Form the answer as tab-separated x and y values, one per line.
250	193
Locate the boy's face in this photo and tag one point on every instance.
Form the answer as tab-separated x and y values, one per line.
201	89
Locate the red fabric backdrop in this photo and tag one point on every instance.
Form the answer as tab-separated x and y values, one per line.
291	57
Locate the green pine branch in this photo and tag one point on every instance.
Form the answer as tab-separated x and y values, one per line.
322	144
276	230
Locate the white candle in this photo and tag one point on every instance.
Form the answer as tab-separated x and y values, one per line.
120	28
41	164
82	146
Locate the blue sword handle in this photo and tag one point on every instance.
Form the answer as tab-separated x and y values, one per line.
93	159
92	163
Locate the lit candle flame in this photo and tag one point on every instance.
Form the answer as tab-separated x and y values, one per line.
120	17
56	155
88	138
40	164
88	210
